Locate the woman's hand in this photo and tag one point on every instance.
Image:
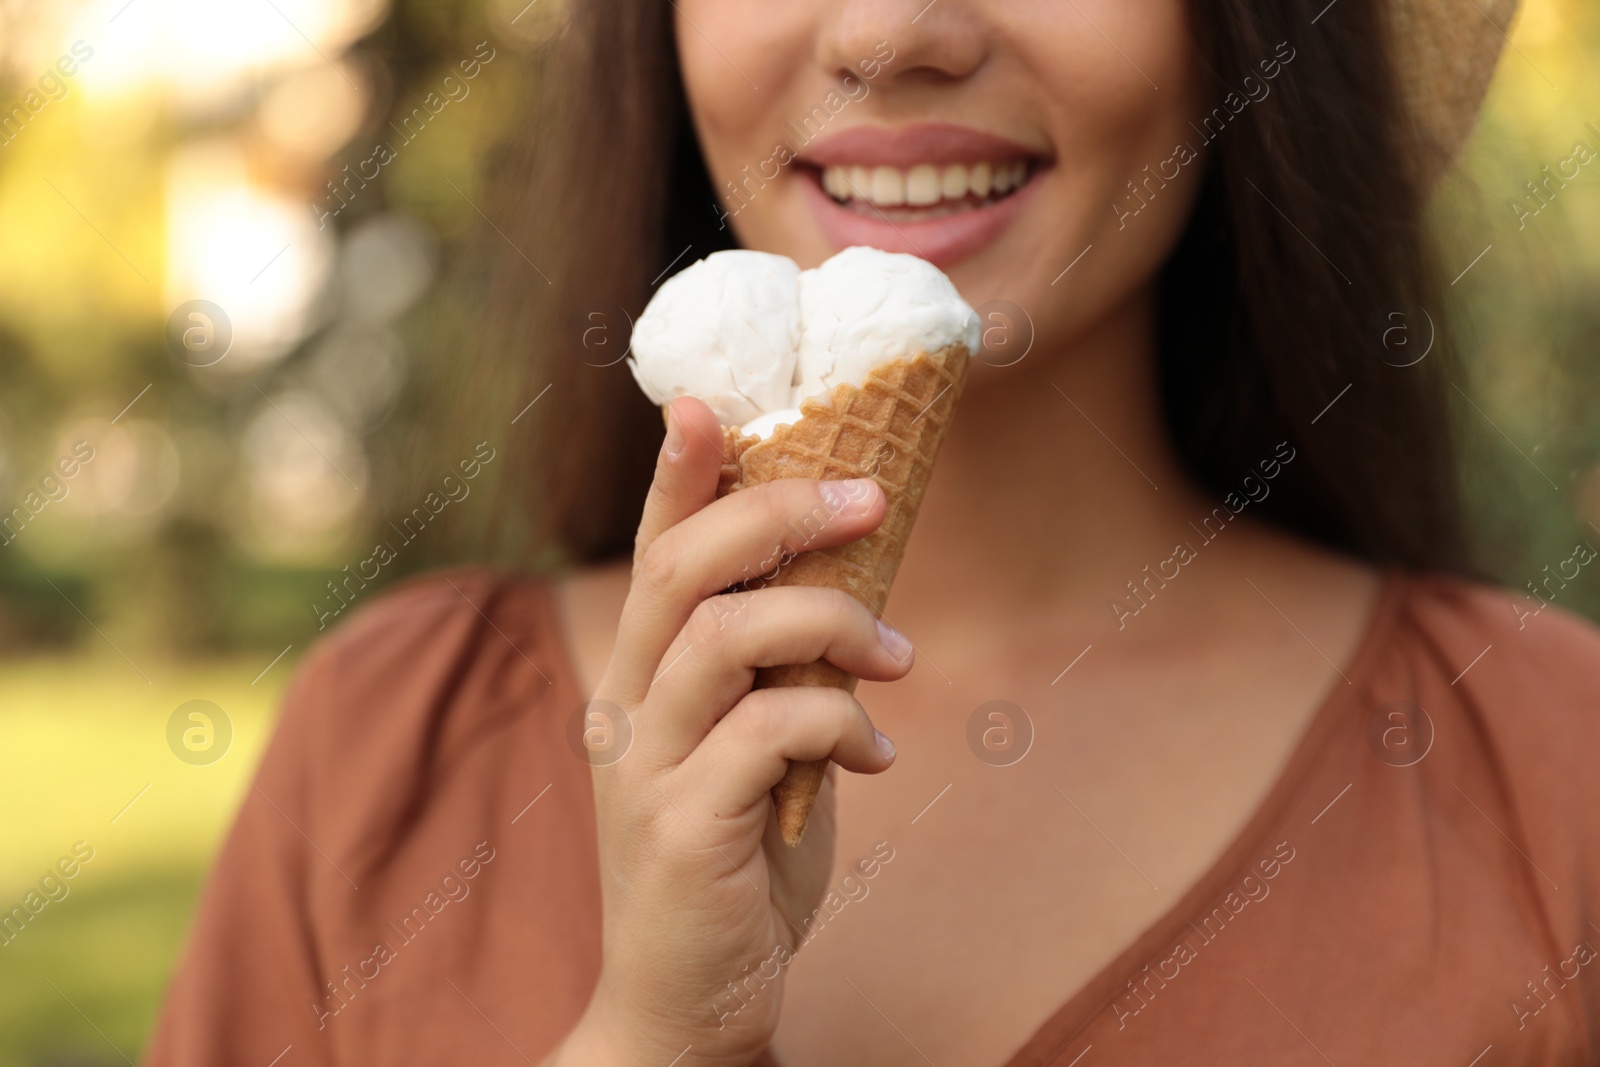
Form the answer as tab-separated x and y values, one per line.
703	904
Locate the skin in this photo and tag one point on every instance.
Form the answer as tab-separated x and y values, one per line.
1020	883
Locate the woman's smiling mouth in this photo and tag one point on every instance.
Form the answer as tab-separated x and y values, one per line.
925	190
939	191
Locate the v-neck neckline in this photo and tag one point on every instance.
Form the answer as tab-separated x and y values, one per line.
1051	1040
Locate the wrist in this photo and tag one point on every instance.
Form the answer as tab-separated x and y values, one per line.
593	1043
612	1031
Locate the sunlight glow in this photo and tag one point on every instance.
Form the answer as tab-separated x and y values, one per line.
255	253
200	51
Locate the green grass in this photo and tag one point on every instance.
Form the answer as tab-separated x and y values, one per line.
80	985
84	757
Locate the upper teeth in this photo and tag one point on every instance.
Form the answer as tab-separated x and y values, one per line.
924	183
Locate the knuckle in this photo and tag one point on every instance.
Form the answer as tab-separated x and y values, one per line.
845	612
790	714
712	618
793	509
774	499
835	617
845	717
657	566
843	711
763	718
807	520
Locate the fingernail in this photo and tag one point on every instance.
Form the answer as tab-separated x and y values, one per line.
893	641
885	745
853	496
673	445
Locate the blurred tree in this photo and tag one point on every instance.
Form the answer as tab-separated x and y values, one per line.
222	502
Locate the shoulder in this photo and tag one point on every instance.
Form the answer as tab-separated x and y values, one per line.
422	738
1498	640
440	631
421	690
430	609
1511	688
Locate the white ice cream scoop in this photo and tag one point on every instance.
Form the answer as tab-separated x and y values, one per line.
752	335
726	330
864	306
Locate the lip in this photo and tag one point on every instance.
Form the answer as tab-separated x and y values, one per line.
942	241
906	146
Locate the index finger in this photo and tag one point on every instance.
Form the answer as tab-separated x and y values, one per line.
687	469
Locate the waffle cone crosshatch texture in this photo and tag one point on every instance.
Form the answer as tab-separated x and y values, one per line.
889	429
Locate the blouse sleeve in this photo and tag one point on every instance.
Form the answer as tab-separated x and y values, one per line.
245	988
409	742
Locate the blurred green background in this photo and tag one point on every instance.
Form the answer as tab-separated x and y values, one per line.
180	161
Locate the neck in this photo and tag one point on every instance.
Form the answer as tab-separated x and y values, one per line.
1055	486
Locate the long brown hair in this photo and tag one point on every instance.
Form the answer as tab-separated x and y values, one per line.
1307	240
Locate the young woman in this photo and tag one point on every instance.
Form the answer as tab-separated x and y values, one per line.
1272	779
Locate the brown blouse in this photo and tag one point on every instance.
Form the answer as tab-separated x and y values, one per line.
412	878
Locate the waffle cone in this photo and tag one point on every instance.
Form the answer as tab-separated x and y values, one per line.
889	429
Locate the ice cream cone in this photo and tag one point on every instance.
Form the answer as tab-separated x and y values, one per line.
889	428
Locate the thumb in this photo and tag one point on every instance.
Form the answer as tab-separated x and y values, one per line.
687	470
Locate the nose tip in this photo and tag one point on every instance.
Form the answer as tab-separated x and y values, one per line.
899	39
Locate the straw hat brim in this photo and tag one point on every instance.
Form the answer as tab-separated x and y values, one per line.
1445	54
